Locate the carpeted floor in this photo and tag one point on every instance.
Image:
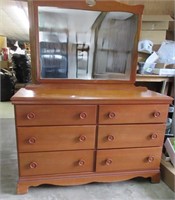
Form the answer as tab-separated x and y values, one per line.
136	189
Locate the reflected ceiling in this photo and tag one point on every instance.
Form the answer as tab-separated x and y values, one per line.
14	20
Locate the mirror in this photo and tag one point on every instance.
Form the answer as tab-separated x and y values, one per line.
82	44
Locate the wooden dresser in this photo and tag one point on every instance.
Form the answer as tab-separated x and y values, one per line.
83	120
69	136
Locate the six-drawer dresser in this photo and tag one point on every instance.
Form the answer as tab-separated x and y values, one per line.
68	135
81	119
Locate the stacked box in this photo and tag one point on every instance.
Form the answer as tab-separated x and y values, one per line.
168	173
154	28
4	64
169	145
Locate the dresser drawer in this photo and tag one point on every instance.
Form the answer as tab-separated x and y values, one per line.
50	138
56	162
128	159
118	114
30	115
122	136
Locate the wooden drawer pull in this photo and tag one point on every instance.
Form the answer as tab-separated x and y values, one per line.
30	115
82	138
33	165
150	159
108	161
156	114
83	115
81	162
31	140
154	136
110	138
112	115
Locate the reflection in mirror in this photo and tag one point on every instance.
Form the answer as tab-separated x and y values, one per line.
86	44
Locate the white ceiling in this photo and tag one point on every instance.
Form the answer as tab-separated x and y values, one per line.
14	19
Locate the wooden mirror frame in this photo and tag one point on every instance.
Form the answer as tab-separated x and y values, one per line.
105	6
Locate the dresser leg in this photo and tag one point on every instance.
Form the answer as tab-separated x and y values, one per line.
22	189
155	178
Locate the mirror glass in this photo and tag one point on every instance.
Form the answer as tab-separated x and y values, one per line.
81	44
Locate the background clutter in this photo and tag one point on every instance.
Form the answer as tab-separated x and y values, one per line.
156	47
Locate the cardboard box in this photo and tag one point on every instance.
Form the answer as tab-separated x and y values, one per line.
142	56
172	26
4	64
156	22
168	174
170	149
170	66
156	47
165	66
161	65
165	157
170	35
157	37
154	28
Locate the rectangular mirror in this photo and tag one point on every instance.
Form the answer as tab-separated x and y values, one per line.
86	44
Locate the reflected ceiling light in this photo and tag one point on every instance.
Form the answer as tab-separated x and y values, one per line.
91	2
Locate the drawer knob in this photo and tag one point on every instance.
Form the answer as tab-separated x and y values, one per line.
33	165
30	115
82	138
31	140
154	136
150	159
156	114
108	161
83	115
112	115
81	162
110	138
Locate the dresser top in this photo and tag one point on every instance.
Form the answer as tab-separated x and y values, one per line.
87	94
